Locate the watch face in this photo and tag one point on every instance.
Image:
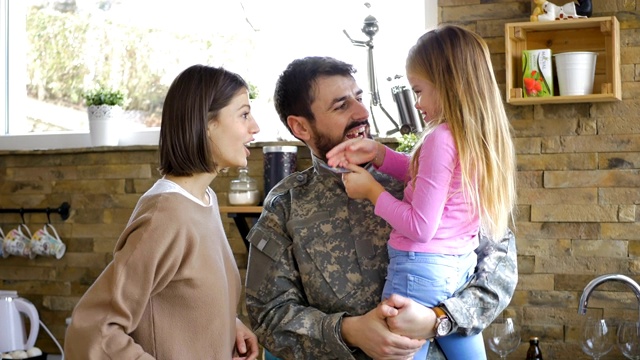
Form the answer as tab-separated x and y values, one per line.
444	327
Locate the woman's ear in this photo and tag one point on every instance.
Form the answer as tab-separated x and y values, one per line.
299	127
211	125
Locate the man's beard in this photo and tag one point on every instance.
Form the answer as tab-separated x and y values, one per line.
324	143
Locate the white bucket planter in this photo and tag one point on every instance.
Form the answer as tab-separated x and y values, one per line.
576	71
105	124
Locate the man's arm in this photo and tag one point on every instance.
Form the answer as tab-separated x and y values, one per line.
487	294
473	307
280	315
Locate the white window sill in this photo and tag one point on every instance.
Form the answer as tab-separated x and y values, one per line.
47	141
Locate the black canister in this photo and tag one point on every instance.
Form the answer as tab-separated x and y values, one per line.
279	162
410	118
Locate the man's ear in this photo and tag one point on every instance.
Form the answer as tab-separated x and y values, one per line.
299	127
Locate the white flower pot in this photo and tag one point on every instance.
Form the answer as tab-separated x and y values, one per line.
105	124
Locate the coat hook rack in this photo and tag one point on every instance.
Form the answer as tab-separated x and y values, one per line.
63	210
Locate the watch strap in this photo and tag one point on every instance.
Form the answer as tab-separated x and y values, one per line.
440	313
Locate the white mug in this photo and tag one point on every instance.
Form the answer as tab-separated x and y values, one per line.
17	243
2	244
44	243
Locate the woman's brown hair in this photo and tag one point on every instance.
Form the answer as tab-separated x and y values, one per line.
195	97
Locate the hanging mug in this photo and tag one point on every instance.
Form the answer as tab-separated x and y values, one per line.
46	242
17	243
1	243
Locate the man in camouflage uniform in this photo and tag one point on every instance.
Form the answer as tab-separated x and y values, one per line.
318	259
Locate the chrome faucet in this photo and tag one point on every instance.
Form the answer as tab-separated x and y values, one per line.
582	308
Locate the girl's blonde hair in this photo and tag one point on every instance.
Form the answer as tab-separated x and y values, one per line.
457	62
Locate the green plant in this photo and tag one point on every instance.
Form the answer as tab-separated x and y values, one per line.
407	142
104	96
253	91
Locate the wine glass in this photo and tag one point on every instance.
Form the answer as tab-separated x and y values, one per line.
504	336
596	337
629	339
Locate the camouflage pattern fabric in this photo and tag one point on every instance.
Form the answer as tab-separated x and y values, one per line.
317	256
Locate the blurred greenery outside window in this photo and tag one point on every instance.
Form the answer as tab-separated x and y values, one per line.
138	47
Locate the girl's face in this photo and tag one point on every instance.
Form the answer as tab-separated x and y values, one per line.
231	131
427	100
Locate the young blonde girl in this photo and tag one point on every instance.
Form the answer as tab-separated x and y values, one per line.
460	177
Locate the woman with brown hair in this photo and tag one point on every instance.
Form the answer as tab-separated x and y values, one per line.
173	287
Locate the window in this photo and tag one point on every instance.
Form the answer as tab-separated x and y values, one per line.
71	46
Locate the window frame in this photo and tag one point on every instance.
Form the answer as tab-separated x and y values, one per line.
66	140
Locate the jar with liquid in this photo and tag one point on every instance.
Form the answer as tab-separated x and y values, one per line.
243	190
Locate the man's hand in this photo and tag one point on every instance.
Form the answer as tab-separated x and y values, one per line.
246	343
370	334
406	317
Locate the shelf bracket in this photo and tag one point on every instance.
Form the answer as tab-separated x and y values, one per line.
516	93
606	27
519	34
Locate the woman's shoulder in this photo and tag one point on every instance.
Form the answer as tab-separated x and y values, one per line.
170	207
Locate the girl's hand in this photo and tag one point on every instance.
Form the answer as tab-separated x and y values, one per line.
246	343
359	184
354	151
407	317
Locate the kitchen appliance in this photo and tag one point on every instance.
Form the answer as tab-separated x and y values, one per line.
13	335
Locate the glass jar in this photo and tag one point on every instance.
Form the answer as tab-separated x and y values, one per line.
243	190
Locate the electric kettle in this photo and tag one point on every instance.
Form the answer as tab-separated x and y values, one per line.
12	326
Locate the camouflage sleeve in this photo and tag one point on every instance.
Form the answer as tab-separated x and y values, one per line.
488	293
280	315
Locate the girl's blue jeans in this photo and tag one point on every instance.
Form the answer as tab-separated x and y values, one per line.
429	279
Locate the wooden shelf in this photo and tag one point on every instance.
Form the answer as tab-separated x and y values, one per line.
240	209
600	35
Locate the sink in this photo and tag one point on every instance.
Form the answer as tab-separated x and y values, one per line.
586	293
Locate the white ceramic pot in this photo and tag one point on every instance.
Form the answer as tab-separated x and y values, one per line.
576	71
105	124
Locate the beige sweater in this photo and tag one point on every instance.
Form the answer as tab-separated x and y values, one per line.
171	291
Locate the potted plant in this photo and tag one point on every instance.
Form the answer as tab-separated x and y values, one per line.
104	107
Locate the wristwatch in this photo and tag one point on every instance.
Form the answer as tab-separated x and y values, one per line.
443	323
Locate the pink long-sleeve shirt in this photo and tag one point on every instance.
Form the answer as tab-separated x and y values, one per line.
433	216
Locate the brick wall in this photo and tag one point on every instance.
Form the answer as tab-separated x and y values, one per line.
578	187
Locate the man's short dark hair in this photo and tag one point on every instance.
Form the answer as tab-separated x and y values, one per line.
294	89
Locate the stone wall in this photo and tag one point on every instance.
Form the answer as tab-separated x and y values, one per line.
578	187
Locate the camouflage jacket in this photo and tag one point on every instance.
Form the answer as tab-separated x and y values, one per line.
317	256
